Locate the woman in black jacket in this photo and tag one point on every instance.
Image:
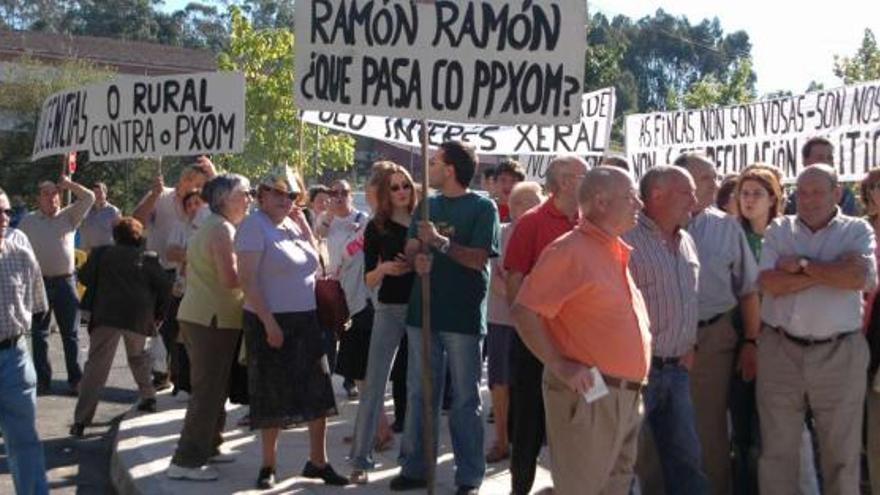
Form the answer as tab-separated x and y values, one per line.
128	289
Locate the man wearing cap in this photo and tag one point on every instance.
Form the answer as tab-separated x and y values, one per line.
50	230
533	232
462	235
23	294
814	268
728	277
579	310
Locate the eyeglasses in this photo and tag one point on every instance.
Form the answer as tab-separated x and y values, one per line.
7	212
397	187
293	196
336	193
758	194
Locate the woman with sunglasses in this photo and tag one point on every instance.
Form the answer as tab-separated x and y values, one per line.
345	262
288	374
385	269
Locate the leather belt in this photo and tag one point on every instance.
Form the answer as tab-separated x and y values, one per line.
706	323
660	362
9	342
622	384
809	341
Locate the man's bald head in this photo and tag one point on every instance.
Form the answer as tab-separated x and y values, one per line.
819	170
600	181
609	200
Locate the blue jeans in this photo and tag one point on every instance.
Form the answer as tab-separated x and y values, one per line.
670	415
18	398
61	293
389	326
462	353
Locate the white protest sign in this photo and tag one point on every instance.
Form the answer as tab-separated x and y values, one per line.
487	61
587	137
137	117
769	131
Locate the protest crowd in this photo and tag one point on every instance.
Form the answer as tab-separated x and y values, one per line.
685	334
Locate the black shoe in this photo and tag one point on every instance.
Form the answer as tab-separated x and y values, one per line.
266	479
401	483
147	405
467	490
77	430
397	427
325	473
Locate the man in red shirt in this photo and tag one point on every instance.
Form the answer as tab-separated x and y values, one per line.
533	232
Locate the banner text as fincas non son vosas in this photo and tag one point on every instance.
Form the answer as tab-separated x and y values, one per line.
769	131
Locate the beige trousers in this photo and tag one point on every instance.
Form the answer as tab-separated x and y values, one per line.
592	446
832	378
103	341
710	391
874	438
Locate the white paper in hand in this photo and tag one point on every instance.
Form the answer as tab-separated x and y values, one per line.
599	388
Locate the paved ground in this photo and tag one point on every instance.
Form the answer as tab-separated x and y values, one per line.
82	466
146	443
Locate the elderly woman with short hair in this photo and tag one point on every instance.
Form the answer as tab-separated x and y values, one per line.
133	289
288	373
210	317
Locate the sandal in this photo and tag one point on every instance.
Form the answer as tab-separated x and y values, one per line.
497	455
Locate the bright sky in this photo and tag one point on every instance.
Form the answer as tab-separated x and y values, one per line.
791	45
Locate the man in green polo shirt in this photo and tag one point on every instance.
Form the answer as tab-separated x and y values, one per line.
462	235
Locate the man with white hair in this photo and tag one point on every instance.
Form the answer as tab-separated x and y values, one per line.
534	231
814	267
579	311
50	230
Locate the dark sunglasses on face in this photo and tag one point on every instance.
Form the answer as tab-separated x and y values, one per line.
293	196
397	187
7	212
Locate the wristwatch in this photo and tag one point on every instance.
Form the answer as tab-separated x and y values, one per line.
803	262
444	246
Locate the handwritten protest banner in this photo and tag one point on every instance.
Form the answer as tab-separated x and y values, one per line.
136	117
770	131
587	137
487	61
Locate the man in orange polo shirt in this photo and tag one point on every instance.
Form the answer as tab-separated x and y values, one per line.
579	308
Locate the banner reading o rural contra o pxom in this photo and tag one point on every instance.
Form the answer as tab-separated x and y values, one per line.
488	61
770	131
137	117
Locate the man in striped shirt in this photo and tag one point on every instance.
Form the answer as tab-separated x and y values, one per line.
665	267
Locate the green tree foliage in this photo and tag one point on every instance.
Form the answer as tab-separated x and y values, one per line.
662	55
266	58
864	65
737	86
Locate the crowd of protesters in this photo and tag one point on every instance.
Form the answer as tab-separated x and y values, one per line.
684	333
